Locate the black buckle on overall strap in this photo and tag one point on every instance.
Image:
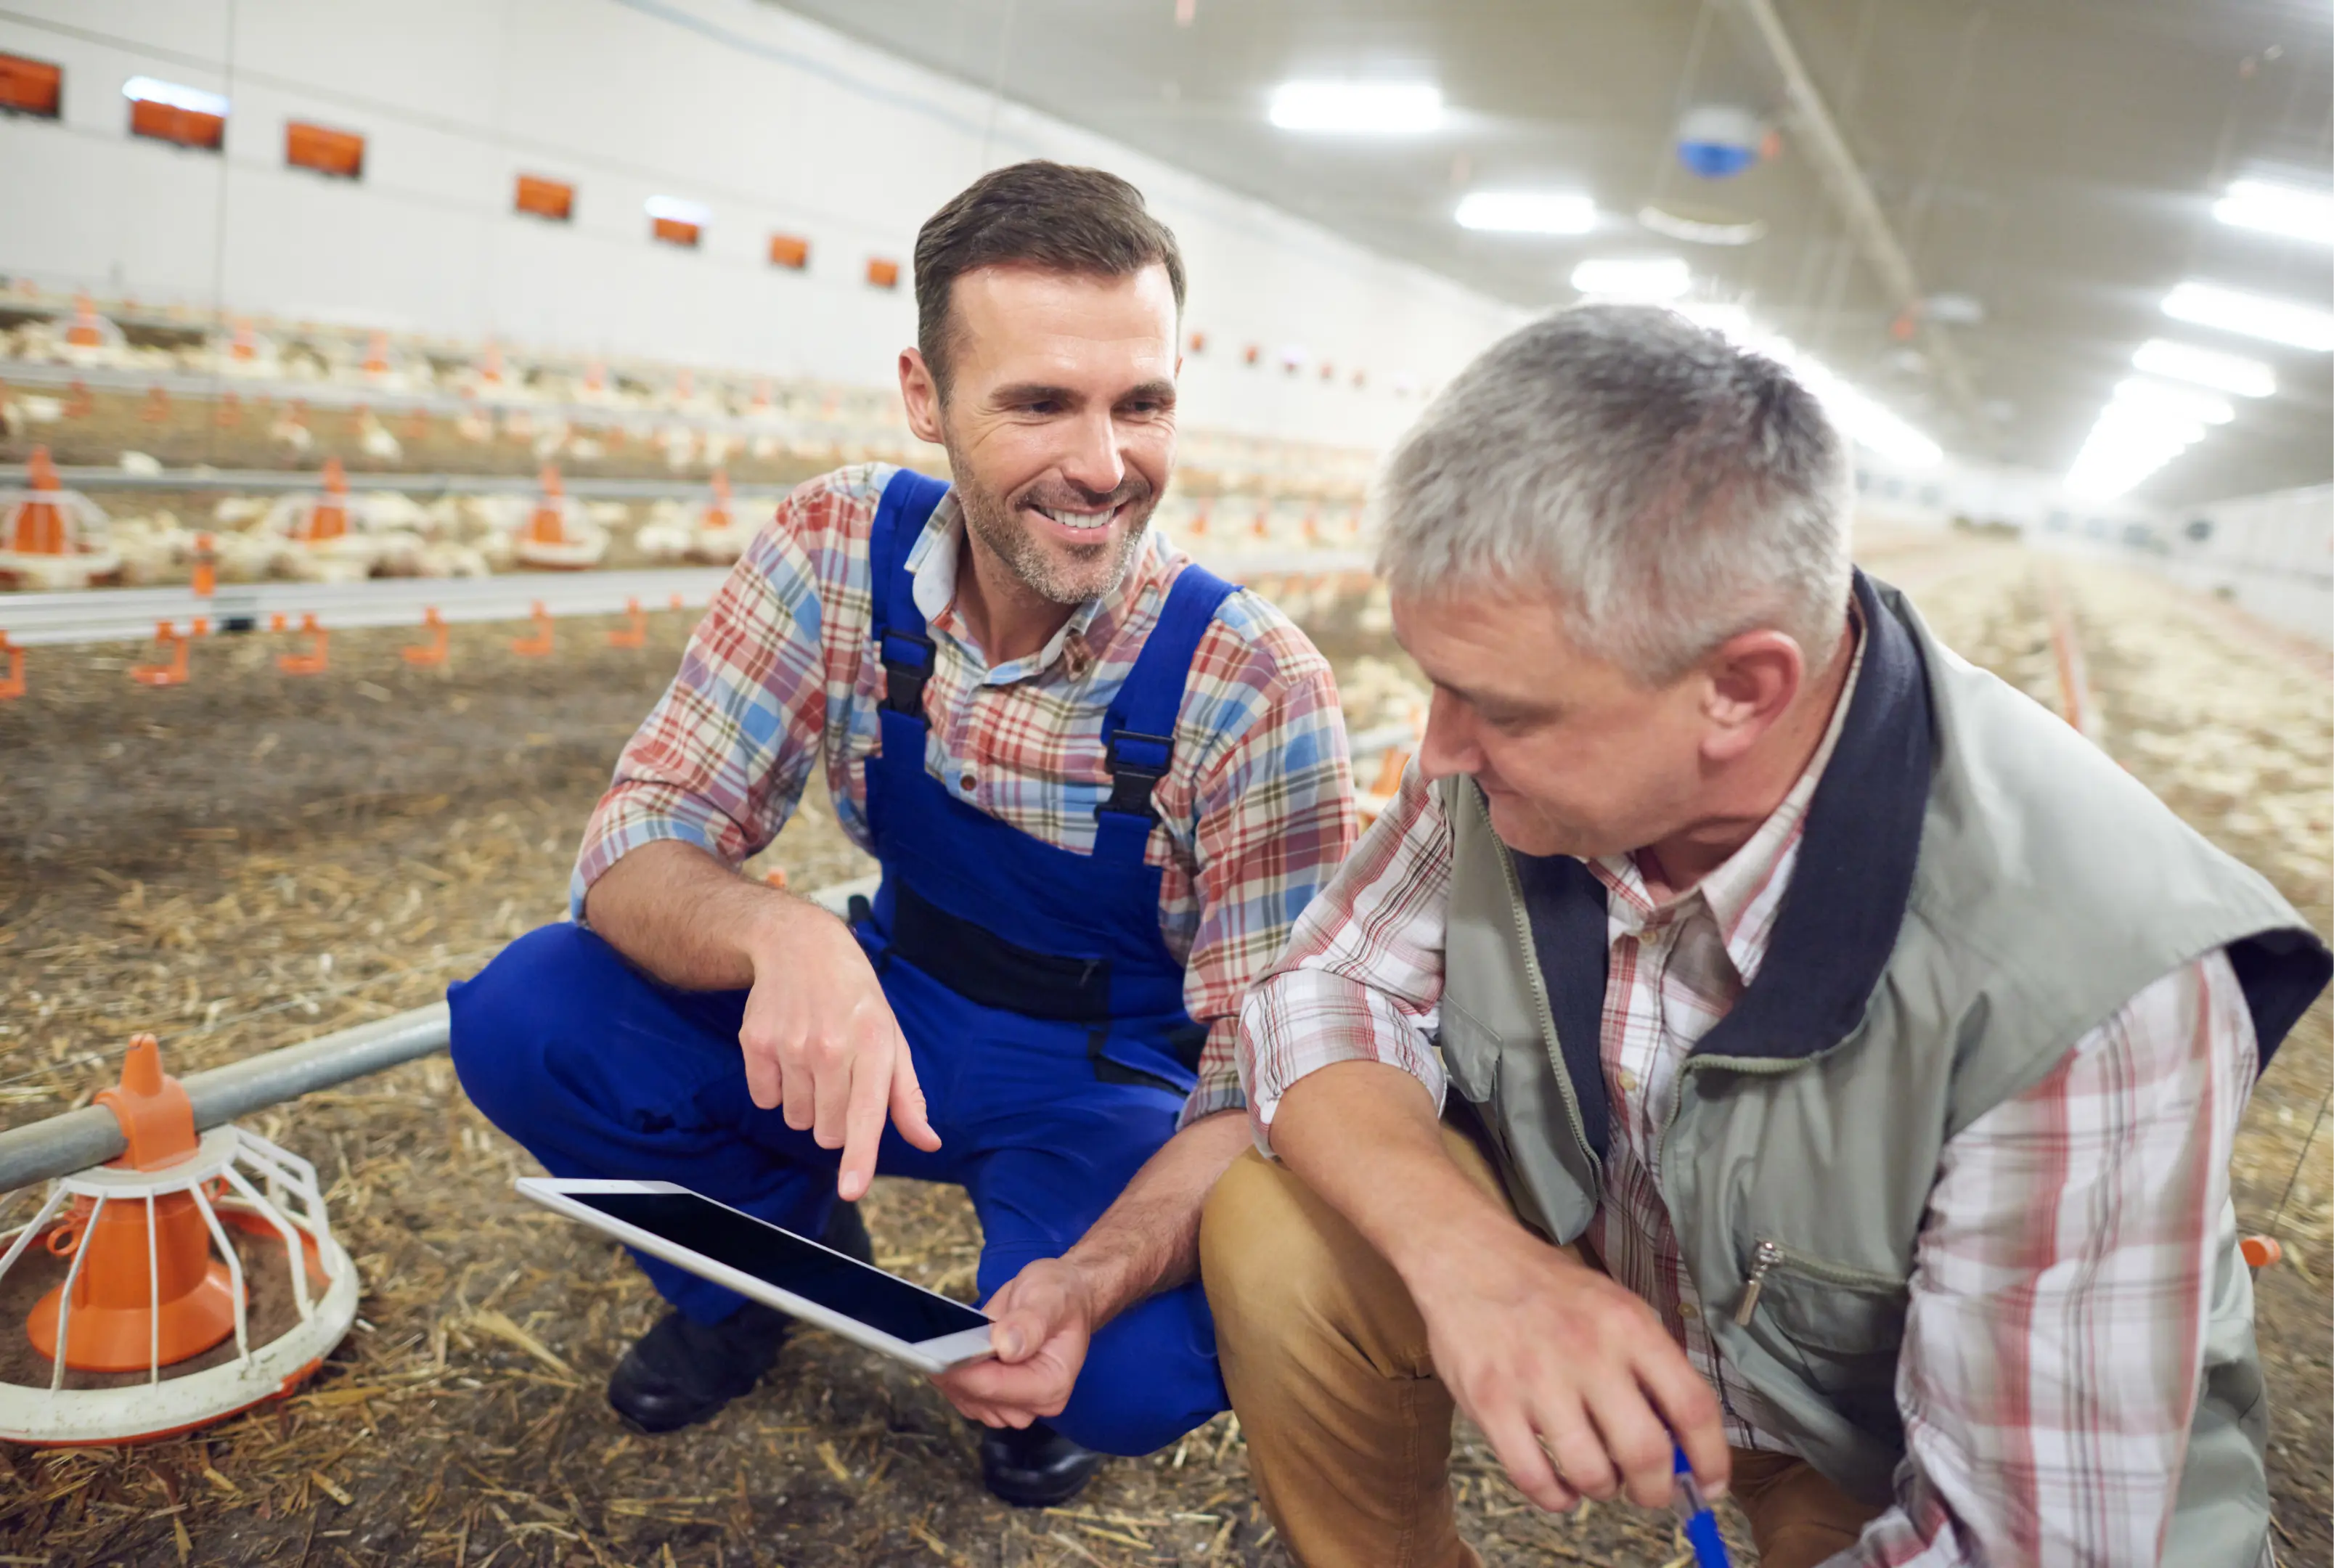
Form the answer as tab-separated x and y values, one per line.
1137	762
907	665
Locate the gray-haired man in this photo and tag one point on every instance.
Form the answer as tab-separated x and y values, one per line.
1846	1055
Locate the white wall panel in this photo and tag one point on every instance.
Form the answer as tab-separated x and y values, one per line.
773	123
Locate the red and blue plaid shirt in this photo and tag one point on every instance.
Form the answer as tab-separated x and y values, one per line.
1255	811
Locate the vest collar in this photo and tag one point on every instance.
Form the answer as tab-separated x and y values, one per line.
1839	918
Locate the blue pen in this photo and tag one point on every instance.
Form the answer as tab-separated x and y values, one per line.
1693	1513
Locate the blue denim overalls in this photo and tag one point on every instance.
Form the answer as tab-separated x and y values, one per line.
1040	1002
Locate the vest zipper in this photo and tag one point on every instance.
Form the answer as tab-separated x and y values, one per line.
1768	1256
1771	1255
1539	1000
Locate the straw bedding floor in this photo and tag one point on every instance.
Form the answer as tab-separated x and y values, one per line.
254	858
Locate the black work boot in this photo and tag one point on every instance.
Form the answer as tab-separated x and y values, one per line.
1034	1466
681	1371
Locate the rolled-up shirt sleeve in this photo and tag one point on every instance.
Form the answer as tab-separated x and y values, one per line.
1360	979
721	760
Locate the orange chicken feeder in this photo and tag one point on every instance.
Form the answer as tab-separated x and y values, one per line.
52	537
155	1279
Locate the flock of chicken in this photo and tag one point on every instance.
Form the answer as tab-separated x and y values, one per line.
1233	494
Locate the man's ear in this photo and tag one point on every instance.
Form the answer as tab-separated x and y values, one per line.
1752	680
921	394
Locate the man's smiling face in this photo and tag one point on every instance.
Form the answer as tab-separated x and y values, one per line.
1059	418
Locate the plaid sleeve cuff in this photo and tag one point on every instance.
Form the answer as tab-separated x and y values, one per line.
637	813
1300	1021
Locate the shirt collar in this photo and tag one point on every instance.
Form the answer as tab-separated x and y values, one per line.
1739	882
933	559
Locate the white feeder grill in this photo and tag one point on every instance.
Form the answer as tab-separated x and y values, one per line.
58	1415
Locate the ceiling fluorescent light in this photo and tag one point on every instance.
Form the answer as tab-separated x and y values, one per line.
2135	435
2222	373
1655	278
1359	108
2283	209
146	90
2186	402
1527	212
2254	315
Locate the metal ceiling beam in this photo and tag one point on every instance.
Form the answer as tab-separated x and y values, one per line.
1845	183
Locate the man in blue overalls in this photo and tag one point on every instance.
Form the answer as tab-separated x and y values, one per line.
1101	783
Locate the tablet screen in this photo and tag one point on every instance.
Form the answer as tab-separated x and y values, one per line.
747	1245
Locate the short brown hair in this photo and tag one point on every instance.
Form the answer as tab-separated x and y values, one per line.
1046	215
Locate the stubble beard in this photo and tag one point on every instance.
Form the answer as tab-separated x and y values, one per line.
1068	577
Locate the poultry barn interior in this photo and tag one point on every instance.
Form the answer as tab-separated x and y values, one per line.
387	394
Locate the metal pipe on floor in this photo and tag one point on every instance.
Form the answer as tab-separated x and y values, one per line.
44	1150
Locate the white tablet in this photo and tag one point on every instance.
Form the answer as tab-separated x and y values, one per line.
770	1264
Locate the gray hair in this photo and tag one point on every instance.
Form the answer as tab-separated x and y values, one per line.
1672	489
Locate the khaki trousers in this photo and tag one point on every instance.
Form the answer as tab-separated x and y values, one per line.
1348	1429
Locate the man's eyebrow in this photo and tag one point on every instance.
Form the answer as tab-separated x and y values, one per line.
1491	699
1033	392
1159	391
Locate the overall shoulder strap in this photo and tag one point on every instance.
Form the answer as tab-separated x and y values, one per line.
906	652
1139	732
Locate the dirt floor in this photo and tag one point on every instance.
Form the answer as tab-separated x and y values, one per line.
255	858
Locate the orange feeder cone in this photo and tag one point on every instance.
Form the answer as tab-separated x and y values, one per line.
156	409
328	517
146	1291
38	525
242	345
491	371
718	516
548	525
376	360
86	332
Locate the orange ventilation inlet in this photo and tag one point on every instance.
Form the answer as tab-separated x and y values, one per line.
154	1247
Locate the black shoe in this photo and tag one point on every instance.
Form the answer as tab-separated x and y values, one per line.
1035	1466
681	1371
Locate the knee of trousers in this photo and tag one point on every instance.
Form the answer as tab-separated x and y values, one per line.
1149	1378
507	1018
1290	1281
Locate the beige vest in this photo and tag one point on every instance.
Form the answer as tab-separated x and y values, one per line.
1978	887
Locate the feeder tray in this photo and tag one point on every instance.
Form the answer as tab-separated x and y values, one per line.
156	1281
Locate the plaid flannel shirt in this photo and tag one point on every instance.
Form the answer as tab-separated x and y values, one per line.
1254	812
2072	1228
